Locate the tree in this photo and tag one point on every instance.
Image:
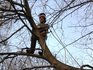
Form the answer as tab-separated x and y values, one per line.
18	18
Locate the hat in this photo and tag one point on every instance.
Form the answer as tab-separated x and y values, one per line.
42	14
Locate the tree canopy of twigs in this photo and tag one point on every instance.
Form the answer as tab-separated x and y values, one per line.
69	41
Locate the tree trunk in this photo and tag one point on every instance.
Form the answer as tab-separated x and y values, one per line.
52	60
47	54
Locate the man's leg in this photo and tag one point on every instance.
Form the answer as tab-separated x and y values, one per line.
33	44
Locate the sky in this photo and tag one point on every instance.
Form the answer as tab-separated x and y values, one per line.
63	32
68	30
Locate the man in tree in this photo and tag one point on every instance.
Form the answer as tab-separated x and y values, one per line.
43	29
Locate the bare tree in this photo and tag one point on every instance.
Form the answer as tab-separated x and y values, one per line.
19	17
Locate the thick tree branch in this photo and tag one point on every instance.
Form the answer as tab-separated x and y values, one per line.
19	15
20	53
28	15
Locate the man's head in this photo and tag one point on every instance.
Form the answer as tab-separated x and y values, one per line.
42	17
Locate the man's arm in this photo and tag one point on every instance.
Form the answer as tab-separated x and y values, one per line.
43	28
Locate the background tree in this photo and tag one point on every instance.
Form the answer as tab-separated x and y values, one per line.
69	42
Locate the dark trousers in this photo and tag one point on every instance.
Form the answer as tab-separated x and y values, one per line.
33	43
34	39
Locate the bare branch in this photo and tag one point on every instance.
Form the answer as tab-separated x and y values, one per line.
6	57
76	40
22	54
36	67
86	66
12	34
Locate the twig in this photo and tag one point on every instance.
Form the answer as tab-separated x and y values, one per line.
86	66
6	57
12	34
